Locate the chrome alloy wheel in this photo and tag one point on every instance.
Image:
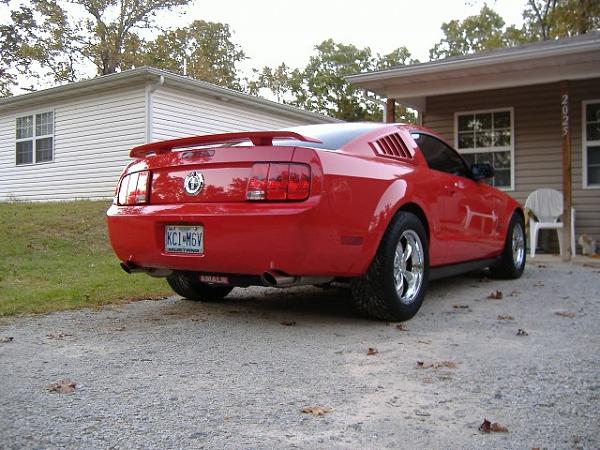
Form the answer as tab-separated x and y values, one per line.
518	245
408	266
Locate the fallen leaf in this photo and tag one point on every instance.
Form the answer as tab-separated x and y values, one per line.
372	351
288	323
120	329
495	427
496	295
505	317
6	339
514	293
538	284
424	342
521	332
58	335
316	410
460	306
402	327
542	266
565	314
437	365
65	386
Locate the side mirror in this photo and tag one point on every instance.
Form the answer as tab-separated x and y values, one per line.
482	171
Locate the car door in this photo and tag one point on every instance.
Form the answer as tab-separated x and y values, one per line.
468	218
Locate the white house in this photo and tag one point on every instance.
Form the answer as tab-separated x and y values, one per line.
72	141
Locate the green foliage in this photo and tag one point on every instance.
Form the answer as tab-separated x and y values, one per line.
320	86
57	256
206	47
543	20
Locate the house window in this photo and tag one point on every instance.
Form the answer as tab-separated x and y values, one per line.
488	137
591	144
35	138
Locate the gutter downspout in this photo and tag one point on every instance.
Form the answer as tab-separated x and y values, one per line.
150	88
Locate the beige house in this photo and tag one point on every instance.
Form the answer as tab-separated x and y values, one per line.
532	111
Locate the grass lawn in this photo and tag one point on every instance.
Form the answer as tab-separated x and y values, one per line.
56	256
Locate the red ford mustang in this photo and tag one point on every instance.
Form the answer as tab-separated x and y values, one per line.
384	207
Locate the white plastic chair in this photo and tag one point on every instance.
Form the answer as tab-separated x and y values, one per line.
547	206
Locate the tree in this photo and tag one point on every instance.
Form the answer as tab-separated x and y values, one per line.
16	52
68	32
485	31
543	20
206	48
321	86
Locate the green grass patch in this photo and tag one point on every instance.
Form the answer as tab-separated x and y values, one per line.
56	256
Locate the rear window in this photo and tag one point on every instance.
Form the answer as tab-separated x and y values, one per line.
332	136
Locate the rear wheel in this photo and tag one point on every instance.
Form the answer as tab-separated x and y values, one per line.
188	286
512	260
394	286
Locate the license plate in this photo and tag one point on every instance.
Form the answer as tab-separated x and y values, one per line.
184	239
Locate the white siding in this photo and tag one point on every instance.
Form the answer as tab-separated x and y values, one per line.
178	113
92	136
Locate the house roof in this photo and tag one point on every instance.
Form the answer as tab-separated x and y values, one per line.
542	62
151	74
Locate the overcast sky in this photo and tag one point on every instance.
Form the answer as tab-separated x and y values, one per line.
272	31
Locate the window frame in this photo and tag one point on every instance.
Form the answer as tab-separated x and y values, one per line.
584	145
510	147
34	137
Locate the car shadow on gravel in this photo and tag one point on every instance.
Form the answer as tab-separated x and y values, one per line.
307	303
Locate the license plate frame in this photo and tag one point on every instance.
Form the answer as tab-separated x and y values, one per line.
184	239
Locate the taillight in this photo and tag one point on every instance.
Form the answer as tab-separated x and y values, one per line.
133	189
279	181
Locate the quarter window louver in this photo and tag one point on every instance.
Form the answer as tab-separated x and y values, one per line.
391	146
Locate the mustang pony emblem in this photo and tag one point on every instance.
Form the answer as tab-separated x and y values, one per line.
193	183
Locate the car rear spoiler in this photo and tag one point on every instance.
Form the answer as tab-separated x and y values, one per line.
256	137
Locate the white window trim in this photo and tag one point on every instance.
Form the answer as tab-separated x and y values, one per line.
584	145
495	149
34	137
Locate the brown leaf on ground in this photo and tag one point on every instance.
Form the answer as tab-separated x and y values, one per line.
424	342
58	335
372	351
119	329
402	327
437	365
495	427
505	317
6	339
538	284
496	295
65	386
316	410
542	266
514	293
460	306
522	332
565	314
288	323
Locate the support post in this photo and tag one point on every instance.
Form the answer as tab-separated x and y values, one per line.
390	110
566	171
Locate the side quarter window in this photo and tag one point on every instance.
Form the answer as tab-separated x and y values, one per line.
439	156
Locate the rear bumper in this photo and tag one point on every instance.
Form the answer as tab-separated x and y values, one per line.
241	238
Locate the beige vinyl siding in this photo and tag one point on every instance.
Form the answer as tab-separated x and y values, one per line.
92	136
537	138
178	113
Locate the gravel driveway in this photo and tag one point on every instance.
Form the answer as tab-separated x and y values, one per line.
178	374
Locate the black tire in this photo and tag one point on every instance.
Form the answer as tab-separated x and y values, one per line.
375	293
188	286
510	266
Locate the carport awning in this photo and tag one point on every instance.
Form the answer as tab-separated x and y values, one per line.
545	62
